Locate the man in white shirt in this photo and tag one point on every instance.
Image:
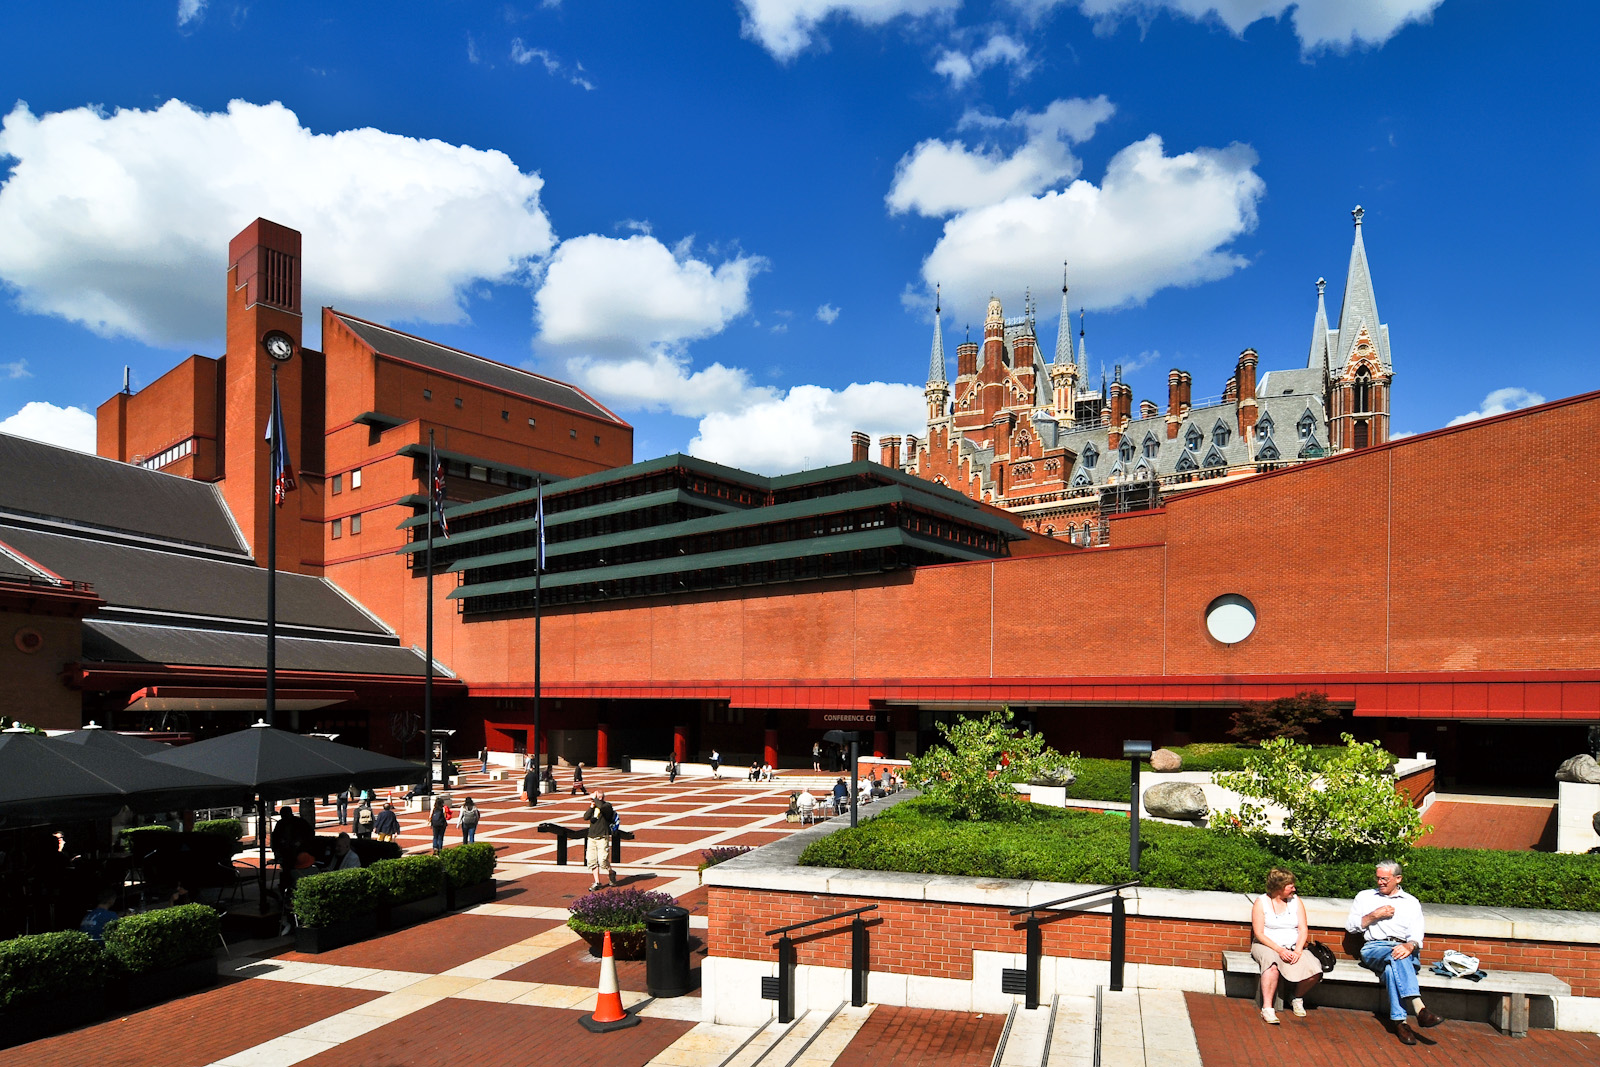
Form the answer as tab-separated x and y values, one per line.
1390	919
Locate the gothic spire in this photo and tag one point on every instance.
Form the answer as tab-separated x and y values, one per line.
1064	329
936	367
1360	305
1318	359
1083	349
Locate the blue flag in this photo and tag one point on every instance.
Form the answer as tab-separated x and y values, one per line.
282	467
540	523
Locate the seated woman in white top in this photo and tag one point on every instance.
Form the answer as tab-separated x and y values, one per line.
1279	935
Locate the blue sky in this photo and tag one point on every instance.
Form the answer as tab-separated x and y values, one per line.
725	217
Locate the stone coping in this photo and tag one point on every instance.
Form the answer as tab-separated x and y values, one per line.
776	867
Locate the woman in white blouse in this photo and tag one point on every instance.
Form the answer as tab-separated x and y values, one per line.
1279	937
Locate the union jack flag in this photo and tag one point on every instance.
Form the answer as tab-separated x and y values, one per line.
438	497
282	466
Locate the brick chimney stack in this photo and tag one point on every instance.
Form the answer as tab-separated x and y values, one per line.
1185	394
889	454
859	443
966	360
1148	409
1174	397
1246	377
1230	391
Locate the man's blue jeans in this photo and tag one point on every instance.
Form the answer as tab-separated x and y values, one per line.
1399	976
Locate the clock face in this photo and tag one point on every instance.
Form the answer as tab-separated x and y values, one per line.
279	346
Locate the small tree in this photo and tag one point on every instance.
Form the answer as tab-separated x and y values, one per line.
981	762
1345	809
1263	720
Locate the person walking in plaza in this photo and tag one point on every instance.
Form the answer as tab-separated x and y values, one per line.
530	784
816	755
342	805
386	825
672	768
600	816
716	764
1390	922
1279	935
364	819
577	781
483	757
469	822
439	819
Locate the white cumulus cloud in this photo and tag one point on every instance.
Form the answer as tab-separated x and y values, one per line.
1499	402
809	426
621	297
939	178
1153	221
786	27
121	221
827	314
1335	24
69	427
190	10
665	381
961	67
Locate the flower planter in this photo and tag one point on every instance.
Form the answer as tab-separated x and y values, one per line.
395	916
152	987
624	945
469	895
335	935
30	1020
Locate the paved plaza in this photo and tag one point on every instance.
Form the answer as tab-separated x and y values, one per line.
505	983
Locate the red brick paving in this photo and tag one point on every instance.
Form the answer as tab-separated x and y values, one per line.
574	966
197	1029
435	946
651	835
1231	1034
467	1033
718	821
548	889
919	1037
1511	827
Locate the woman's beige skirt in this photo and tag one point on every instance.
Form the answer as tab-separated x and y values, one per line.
1299	971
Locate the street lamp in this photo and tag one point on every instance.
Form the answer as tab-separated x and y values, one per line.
1135	752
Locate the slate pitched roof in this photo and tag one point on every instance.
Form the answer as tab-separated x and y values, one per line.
112	641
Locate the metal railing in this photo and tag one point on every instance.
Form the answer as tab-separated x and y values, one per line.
1026	981
564	833
781	987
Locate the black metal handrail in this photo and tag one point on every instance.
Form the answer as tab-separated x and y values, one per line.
1102	891
825	918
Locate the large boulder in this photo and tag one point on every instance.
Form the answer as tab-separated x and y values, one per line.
1055	777
1595	822
1176	800
1579	769
1166	761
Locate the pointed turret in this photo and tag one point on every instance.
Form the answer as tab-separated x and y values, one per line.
1064	328
1083	351
1360	307
1319	359
936	368
1063	372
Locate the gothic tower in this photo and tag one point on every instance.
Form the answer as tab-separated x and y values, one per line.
1063	371
938	389
1359	368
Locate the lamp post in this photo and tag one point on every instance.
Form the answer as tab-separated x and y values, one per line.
280	347
1134	752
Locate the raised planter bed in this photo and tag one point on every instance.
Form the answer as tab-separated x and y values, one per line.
45	1016
469	895
395	916
624	946
324	938
153	987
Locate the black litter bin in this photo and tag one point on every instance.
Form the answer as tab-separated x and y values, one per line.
666	952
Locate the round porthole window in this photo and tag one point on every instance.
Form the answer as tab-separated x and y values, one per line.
1231	618
28	640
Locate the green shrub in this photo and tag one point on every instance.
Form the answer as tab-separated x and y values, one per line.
466	865
161	939
1092	848
1101	779
229	828
41	966
335	897
982	760
408	878
131	834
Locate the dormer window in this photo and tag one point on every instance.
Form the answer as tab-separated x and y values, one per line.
1268	450
1081	480
1152	446
1090	457
1193	438
1186	461
1264	427
1306	426
1215	458
1125	450
1220	434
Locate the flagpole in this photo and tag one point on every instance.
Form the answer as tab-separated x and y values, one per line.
538	640
427	683
272	570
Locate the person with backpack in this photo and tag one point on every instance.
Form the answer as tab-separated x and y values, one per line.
364	819
439	819
469	822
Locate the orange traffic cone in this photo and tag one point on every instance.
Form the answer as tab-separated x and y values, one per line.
608	1013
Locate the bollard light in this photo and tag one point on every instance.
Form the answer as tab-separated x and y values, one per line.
1135	752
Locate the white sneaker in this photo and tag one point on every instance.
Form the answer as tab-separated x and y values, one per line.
1269	1016
1298	1006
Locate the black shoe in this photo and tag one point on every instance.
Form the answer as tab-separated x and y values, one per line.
1428	1017
1404	1033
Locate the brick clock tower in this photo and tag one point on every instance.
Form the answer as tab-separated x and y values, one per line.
263	297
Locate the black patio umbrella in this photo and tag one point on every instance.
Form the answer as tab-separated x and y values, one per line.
95	737
276	764
43	778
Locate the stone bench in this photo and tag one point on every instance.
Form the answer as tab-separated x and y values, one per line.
1510	990
497	774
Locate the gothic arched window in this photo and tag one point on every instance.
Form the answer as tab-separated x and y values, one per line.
1151	446
1193	438
1268	450
1265	426
1220	434
1361	392
1125	450
1215	458
1090	457
1186	462
1307	425
1361	433
1081	480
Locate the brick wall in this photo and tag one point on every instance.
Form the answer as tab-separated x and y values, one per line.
938	939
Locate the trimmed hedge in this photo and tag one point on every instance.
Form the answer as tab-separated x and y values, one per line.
1092	848
335	897
230	828
130	835
1108	779
466	865
46	966
409	878
158	940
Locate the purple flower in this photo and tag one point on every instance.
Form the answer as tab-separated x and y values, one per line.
615	909
714	856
